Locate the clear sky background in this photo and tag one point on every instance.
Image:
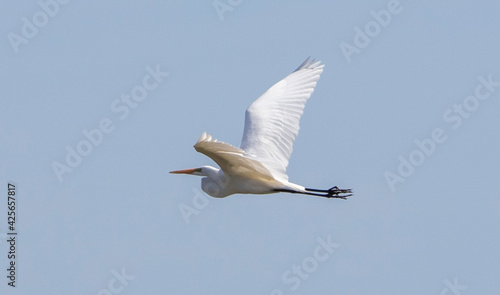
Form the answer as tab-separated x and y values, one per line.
113	224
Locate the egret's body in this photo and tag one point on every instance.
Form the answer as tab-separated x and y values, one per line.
271	126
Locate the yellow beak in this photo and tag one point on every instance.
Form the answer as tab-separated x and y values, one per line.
186	171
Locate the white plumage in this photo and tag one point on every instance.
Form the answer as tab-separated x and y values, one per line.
272	121
271	126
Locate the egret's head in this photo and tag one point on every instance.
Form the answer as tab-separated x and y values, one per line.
201	171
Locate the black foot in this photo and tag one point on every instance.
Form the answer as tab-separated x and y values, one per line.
333	192
336	192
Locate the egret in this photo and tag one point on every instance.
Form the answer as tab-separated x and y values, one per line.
259	165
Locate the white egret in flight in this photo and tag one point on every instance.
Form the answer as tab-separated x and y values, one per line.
259	165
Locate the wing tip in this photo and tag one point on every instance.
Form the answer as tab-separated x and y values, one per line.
310	64
202	138
206	137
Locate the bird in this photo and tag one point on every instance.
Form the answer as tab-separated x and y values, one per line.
259	165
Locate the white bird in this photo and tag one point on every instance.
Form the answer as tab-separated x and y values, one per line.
271	125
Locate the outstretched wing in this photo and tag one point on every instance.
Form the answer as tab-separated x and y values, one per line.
232	160
272	121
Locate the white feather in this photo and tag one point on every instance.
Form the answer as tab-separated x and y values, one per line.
272	121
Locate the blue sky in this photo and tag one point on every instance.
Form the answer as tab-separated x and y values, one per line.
405	114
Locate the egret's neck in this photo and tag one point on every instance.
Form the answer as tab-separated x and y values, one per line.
215	183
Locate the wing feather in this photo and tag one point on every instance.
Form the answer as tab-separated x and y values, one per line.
232	160
272	121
